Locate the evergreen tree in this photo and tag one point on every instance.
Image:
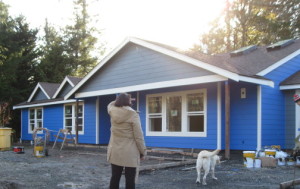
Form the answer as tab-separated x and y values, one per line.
18	55
80	40
54	64
251	22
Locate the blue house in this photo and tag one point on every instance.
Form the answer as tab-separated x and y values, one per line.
240	100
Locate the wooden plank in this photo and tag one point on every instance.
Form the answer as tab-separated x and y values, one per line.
166	165
174	152
290	183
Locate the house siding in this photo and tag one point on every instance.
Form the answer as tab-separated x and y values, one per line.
104	131
208	142
136	65
89	136
290	114
273	106
243	113
40	95
24	130
52	119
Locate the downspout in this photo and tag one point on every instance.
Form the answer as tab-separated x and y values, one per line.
76	122
219	117
227	120
259	117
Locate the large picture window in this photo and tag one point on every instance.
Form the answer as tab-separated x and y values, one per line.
177	114
70	118
35	118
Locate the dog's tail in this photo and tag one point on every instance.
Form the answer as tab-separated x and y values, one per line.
208	154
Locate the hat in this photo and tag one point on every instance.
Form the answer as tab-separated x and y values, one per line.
296	97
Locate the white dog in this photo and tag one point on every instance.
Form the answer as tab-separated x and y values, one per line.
207	160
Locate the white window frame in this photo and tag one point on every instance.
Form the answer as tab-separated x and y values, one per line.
35	118
73	117
184	119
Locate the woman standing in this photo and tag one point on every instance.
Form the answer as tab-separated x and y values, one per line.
126	145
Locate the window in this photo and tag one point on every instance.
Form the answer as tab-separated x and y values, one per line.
195	113
35	118
177	114
70	118
155	113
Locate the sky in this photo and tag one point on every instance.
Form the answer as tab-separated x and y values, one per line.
173	22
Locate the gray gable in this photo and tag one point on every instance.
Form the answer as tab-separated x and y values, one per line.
135	65
74	80
66	88
39	95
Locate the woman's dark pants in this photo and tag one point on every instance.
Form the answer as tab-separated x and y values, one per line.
116	173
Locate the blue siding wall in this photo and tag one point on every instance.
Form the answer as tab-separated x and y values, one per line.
290	120
104	119
273	106
89	136
52	120
243	113
209	142
24	135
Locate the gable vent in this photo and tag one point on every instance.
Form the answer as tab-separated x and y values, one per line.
243	50
280	44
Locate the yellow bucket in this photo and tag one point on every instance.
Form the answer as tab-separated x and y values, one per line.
248	154
39	151
5	138
270	152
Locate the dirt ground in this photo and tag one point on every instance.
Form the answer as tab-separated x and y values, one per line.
86	168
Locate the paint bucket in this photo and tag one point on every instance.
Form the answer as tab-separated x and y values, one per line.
298	160
38	151
290	161
18	149
248	154
257	163
270	153
249	162
281	161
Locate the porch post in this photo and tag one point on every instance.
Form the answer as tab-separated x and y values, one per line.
227	120
76	122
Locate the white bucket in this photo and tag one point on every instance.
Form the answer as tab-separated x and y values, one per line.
281	161
298	160
257	163
249	163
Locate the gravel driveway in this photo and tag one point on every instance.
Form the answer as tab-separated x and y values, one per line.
86	168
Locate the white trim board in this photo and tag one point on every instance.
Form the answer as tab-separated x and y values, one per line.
289	87
44	104
279	63
156	85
